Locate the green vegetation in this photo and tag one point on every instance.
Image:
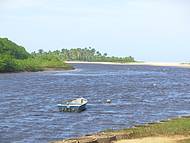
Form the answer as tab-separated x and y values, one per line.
14	58
8	48
179	126
175	130
184	141
86	54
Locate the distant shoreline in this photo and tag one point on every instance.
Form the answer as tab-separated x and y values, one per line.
162	64
43	70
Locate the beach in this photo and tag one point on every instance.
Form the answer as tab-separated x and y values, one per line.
162	64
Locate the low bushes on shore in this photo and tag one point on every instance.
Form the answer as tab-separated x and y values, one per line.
14	58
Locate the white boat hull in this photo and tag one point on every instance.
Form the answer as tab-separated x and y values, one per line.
76	105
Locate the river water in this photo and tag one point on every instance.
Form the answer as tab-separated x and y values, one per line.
139	94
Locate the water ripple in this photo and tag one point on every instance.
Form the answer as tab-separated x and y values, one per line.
139	94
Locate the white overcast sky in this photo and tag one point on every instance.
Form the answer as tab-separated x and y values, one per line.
149	30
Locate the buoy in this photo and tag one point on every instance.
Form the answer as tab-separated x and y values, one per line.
108	101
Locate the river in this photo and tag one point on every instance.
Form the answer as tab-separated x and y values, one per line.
139	94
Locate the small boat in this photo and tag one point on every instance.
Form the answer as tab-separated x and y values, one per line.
76	105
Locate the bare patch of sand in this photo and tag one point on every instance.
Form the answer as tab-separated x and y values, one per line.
164	64
174	139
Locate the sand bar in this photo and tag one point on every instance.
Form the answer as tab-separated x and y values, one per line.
164	64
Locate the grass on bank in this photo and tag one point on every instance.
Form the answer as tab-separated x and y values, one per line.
174	127
184	141
170	131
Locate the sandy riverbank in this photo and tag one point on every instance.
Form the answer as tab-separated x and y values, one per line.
164	64
176	130
171	139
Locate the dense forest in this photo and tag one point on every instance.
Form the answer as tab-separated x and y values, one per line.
14	58
85	54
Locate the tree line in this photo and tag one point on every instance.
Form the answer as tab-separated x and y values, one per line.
82	54
14	58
